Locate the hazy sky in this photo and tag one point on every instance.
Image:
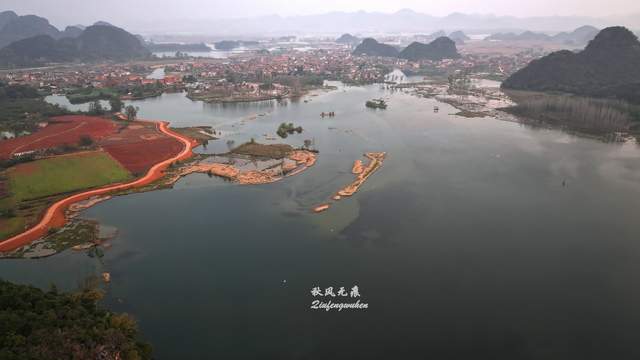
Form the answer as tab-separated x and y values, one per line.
124	12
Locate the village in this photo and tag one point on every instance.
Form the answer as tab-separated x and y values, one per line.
254	76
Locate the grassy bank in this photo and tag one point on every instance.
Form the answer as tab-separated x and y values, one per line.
590	115
62	174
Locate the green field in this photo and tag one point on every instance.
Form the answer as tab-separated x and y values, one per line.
11	226
29	184
64	174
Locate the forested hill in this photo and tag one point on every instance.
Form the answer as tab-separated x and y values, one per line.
372	47
97	42
608	67
438	49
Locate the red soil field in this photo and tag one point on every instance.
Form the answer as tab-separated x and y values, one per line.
140	146
61	130
3	189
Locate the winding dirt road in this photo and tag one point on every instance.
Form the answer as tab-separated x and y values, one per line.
55	214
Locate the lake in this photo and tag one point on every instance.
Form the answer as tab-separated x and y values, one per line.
464	245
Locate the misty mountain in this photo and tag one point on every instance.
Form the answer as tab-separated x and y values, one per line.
71	31
459	37
102	23
440	48
95	43
22	27
525	36
362	22
6	17
579	37
348	39
372	47
100	42
607	67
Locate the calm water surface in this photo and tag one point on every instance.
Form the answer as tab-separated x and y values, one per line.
465	244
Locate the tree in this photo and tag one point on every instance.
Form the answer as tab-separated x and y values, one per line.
95	108
85	140
116	104
131	112
60	325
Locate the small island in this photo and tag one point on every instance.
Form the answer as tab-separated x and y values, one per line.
376	104
251	163
362	173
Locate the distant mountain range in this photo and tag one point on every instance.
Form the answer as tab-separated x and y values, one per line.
14	27
440	48
31	40
608	67
95	43
579	37
233	44
171	47
362	22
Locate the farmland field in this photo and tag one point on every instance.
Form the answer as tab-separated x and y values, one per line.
140	146
64	174
61	130
11	226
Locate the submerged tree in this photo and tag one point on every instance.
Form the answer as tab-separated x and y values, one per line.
116	104
95	108
131	112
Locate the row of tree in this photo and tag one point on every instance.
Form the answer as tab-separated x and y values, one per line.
96	108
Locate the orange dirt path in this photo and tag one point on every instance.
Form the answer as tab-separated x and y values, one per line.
55	214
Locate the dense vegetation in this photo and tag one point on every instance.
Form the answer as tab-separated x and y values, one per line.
83	95
22	107
607	68
585	114
271	151
286	129
40	325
